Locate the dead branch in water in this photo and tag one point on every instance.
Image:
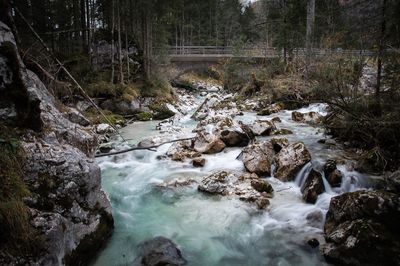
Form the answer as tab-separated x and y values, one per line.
150	148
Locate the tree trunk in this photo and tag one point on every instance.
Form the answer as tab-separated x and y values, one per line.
121	72
112	40
380	55
310	31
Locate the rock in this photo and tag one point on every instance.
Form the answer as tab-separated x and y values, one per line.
282	131
210	145
262	203
273	108
313	187
76	117
243	186
332	174
216	183
361	228
276	120
262	185
199	162
262	127
68	209
159	251
313	242
392	182
310	117
279	143
315	219
104	129
258	158
234	138
290	160
179	151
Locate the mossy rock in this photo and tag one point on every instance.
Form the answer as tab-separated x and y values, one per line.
144	116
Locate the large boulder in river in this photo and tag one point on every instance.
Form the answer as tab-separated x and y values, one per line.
235	138
290	160
159	251
273	108
310	117
258	158
362	228
208	145
262	127
313	187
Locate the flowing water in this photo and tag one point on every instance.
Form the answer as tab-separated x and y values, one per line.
214	230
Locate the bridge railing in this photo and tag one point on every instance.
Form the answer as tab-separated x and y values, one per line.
257	51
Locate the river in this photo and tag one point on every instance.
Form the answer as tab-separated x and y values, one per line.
216	230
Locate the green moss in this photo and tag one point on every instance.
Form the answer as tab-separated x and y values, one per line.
161	112
144	116
18	237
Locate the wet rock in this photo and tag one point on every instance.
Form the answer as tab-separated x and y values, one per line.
279	143
332	174
234	138
310	117
276	120
313	242
180	151
262	203
262	127
159	251
258	158
282	131
313	187
242	186
216	183
315	219
208	145
262	185
199	162
290	160
273	108
361	228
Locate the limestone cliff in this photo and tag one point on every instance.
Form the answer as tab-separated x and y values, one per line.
66	204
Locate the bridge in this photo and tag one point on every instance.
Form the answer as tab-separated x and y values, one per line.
214	54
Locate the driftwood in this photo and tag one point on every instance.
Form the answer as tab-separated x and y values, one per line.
150	148
200	107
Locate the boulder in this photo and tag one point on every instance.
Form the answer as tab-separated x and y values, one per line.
332	174
208	145
247	187
310	117
361	228
258	158
290	160
262	185
159	251
392	182
76	117
216	183
179	151
235	138
199	162
104	129
313	187
262	127
279	143
273	108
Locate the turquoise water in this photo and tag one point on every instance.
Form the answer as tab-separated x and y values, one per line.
210	230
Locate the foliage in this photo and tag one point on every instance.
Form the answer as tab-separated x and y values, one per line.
18	237
106	89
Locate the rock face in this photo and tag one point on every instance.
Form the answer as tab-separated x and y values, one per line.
248	187
290	160
362	229
67	205
258	158
313	186
159	251
311	117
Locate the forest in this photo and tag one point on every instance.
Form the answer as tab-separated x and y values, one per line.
214	132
